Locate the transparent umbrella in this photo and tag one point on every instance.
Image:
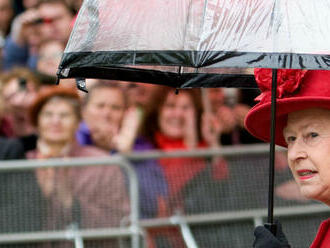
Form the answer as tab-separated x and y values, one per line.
197	43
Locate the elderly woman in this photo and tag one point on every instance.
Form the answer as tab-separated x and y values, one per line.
90	196
303	117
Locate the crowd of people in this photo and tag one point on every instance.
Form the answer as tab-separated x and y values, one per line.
40	120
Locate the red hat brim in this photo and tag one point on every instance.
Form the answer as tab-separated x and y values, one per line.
258	120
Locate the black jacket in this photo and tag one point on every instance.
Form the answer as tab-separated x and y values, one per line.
11	149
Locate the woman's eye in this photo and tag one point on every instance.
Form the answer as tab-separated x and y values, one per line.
311	138
313	134
290	139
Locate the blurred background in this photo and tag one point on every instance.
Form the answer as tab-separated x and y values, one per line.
126	164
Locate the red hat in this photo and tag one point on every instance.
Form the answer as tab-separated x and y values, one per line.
296	90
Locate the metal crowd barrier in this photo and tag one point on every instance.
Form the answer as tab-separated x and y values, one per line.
137	227
73	234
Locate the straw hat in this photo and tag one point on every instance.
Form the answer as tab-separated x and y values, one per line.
296	90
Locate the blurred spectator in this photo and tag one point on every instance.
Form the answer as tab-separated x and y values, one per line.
21	205
103	112
9	148
57	18
176	122
49	57
22	43
6	16
222	111
19	89
88	196
6	129
51	20
139	94
226	105
109	125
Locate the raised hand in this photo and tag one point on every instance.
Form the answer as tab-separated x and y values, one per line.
227	118
211	129
126	136
23	24
190	128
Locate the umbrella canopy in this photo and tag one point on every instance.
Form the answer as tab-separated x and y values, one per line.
190	43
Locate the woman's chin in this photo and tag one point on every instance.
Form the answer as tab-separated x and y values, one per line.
174	134
312	192
57	140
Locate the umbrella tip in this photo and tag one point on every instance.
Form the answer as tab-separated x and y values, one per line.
81	84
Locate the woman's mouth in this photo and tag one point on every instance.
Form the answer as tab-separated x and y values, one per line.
306	174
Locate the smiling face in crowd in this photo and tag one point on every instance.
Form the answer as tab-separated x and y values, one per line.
308	137
176	111
57	121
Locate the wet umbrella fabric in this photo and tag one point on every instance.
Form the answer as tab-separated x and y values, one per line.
197	43
188	43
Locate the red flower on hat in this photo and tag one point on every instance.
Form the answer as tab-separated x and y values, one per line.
288	81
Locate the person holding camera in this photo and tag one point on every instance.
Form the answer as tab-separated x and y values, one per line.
49	20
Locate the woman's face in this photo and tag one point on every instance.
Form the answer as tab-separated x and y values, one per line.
175	114
50	54
57	121
106	106
308	137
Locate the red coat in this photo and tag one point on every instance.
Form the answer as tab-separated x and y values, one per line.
179	171
322	239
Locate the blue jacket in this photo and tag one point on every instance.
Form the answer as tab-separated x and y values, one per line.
16	55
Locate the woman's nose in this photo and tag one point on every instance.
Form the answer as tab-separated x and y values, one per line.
298	150
107	113
178	112
56	119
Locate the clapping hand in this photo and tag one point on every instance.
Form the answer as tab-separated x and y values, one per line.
211	129
127	134
190	129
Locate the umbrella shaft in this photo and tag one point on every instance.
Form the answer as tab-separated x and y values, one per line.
272	148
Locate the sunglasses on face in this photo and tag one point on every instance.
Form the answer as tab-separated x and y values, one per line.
41	21
45	20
